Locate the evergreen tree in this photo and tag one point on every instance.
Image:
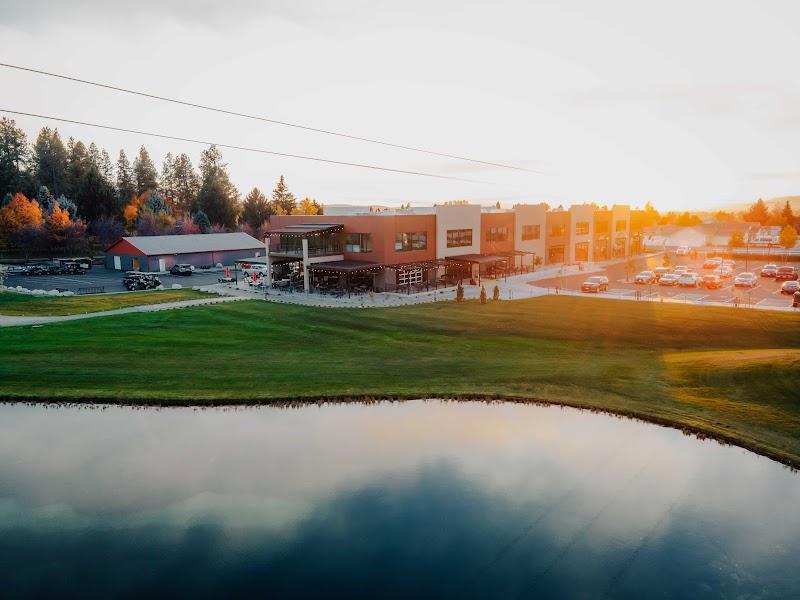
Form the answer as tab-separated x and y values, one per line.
78	164
217	197
126	185
50	161
166	184
757	213
201	220
255	211
283	201
186	184
68	205
156	204
13	157
787	215
144	172
95	196
45	199
106	168
95	157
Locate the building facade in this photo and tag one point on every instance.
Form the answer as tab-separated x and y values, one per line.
404	247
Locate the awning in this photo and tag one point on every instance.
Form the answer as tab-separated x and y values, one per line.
307	229
481	259
346	266
419	264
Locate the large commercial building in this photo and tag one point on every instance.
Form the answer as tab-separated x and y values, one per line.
398	249
160	252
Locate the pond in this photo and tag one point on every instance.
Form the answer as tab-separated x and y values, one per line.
422	498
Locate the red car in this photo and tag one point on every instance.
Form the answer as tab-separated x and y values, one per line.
786	274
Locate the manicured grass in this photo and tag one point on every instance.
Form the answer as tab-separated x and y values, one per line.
726	372
23	305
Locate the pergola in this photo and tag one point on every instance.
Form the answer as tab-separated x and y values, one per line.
482	260
346	269
513	254
425	265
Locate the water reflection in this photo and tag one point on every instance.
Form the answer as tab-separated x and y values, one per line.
387	500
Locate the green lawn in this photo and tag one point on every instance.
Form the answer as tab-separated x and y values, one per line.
726	372
23	305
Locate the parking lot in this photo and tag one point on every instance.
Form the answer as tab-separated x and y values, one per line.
766	293
100	277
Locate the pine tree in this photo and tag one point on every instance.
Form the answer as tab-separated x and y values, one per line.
283	201
496	293
78	164
106	168
144	172
255	211
95	157
459	292
787	215
217	197
483	295
13	157
758	212
50	161
201	220
166	184
126	186
186	184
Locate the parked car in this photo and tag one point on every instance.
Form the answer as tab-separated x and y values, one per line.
723	272
712	282
729	263
645	278
71	268
682	251
769	270
183	270
669	279
790	287
136	280
796	299
687	280
259	269
597	283
745	279
660	271
786	273
680	269
712	263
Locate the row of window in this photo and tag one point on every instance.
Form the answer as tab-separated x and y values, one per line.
459	238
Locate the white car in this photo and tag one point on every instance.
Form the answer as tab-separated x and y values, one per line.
723	272
669	279
687	280
680	269
729	263
682	251
258	269
745	280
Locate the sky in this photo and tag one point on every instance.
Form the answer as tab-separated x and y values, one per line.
686	104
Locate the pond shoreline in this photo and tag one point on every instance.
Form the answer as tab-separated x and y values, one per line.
300	402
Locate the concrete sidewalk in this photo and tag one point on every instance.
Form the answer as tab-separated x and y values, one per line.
10	321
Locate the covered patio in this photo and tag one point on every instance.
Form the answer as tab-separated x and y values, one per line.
516	261
342	277
413	277
486	265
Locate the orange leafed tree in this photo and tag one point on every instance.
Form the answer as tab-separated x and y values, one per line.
20	213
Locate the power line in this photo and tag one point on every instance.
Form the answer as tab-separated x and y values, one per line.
263	119
244	148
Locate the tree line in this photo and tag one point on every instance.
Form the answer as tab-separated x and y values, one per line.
59	197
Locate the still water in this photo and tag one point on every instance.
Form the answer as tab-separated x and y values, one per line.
386	500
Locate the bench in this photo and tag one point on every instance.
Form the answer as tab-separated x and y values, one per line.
98	289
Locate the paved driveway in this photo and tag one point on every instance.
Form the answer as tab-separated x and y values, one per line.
108	279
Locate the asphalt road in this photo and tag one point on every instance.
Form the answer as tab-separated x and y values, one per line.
110	280
766	293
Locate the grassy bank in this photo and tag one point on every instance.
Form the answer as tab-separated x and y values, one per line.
729	373
23	305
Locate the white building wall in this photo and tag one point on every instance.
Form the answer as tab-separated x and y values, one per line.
458	216
530	214
580	213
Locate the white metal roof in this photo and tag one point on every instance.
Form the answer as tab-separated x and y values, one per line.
200	242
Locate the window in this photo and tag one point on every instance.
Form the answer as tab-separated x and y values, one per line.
403	242
601	227
497	234
582	228
406	276
531	232
621	226
458	238
582	251
558	230
358	242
